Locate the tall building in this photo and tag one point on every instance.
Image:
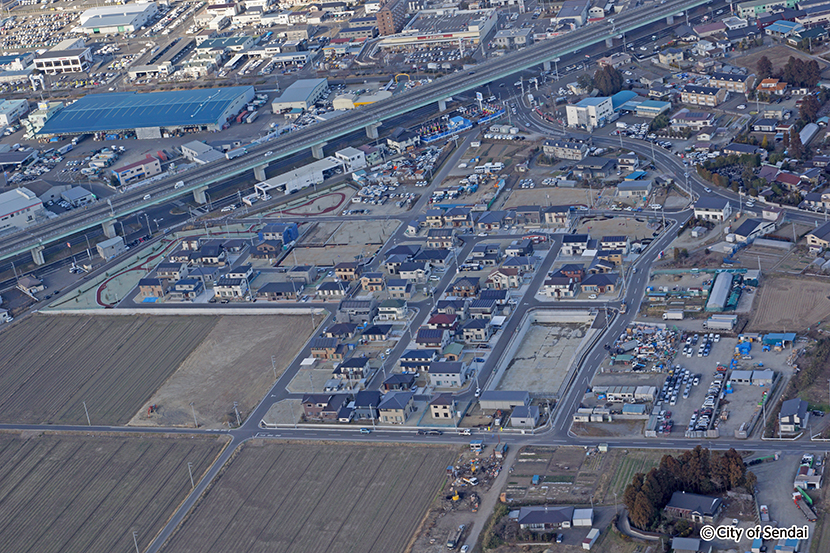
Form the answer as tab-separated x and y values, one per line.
391	17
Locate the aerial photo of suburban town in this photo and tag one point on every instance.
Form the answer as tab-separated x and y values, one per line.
414	276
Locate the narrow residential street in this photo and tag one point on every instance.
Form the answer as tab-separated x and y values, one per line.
489	499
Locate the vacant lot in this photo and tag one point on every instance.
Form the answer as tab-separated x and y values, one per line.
300	498
233	363
634	228
790	304
549	196
332	243
544	358
777	54
50	365
60	493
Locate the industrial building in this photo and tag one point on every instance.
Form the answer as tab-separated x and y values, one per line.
201	153
302	94
19	208
144	168
70	56
720	292
302	177
151	113
12	110
122	18
111	248
445	25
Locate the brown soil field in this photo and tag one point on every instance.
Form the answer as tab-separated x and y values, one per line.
288	497
50	365
634	228
790	304
72	493
233	363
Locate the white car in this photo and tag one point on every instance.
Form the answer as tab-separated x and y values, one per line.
740	106
592	297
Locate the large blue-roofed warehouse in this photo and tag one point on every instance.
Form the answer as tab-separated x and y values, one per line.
150	114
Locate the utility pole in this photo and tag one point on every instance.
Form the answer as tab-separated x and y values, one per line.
87	415
238	423
190	471
193	410
274	366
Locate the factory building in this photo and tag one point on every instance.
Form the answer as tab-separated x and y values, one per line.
301	94
122	18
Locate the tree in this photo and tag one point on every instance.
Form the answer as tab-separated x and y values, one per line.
608	80
659	122
796	149
764	67
809	109
585	82
751	481
765	143
642	512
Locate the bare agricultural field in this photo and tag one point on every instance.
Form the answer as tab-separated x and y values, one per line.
233	363
777	54
790	304
72	493
295	498
50	365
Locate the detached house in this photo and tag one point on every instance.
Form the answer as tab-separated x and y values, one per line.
323	407
574	244
477	331
559	286
356	311
793	416
465	287
396	407
501	279
441	238
372	282
443	374
701	509
432	338
399	288
348	270
392	310
442	406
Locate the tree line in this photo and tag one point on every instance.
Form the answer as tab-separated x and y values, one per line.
697	471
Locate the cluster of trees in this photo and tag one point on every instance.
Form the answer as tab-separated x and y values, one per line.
796	72
660	122
697	471
606	79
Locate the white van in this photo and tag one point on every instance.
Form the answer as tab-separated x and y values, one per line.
179	184
147	196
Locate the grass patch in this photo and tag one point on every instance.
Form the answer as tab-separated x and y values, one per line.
560	479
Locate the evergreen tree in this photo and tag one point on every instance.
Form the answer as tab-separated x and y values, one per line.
764	67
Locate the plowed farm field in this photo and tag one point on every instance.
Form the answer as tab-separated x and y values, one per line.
72	493
790	304
297	498
51	365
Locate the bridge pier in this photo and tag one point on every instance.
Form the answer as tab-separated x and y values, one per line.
37	255
317	150
442	104
372	130
259	172
669	20
546	65
609	42
199	195
109	228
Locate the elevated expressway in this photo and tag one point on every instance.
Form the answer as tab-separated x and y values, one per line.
198	180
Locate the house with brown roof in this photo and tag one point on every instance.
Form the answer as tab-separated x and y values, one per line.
504	278
465	287
347	270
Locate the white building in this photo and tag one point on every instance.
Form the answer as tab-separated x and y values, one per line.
589	112
352	158
302	94
12	110
70	56
123	18
19	208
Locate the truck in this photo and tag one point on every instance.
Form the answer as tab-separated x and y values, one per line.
251	117
808	512
63	150
590	539
235	153
78	138
455	537
764	513
673	315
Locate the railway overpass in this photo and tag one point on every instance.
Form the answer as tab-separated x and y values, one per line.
198	180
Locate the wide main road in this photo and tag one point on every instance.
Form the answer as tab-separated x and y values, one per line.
346	123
